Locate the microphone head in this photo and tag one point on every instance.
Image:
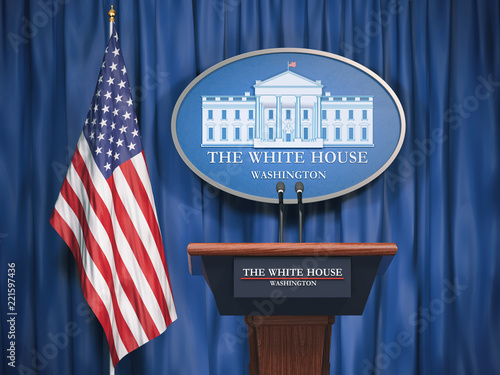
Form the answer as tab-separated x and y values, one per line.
280	187
299	187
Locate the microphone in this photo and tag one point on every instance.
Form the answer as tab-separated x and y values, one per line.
280	189
299	188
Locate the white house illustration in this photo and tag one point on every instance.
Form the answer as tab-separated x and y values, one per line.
287	111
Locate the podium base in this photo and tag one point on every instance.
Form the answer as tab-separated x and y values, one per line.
289	345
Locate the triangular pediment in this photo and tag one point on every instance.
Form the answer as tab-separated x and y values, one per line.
288	79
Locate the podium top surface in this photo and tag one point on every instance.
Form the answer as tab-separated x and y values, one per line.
291	249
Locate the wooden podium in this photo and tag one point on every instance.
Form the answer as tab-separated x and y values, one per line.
290	334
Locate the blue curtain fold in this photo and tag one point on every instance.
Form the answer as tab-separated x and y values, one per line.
437	308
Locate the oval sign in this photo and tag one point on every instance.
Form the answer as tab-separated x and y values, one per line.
288	115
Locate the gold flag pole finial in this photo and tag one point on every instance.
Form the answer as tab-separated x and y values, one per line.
112	14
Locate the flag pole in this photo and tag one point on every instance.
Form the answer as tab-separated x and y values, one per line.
111	14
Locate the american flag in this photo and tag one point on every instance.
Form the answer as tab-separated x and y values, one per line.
106	214
292	64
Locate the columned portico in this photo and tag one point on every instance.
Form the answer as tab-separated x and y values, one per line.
287	84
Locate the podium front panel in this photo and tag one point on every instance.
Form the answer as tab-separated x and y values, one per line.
218	272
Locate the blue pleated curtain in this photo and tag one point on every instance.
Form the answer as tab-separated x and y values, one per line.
436	310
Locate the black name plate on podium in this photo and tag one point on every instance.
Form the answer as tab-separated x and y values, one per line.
292	277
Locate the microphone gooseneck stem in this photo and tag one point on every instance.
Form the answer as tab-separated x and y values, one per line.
299	188
280	189
281	218
300	215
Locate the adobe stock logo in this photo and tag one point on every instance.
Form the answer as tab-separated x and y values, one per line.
288	115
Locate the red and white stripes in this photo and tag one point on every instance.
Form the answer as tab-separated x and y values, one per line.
112	229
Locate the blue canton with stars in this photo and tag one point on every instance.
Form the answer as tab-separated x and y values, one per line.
111	126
